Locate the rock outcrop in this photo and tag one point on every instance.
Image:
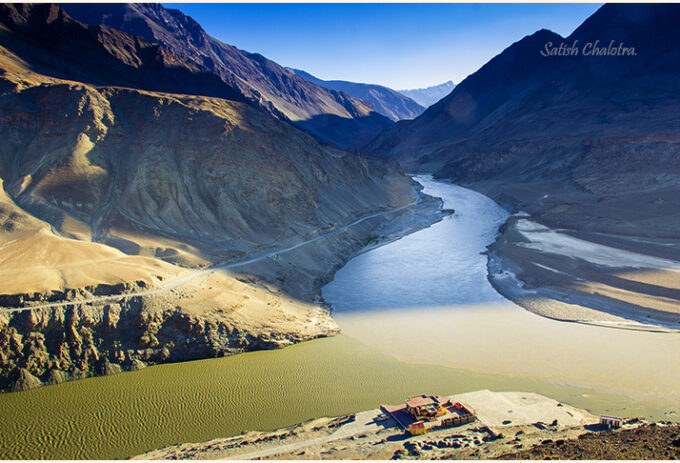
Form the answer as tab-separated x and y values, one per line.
56	344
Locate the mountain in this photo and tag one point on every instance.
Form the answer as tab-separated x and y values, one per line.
59	47
559	117
429	95
329	115
386	101
119	181
477	102
581	142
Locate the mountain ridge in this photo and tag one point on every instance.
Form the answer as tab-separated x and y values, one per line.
388	102
45	37
328	115
427	96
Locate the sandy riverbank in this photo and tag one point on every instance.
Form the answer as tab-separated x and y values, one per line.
506	422
593	278
597	253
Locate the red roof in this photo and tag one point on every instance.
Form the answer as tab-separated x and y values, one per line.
420	400
418	425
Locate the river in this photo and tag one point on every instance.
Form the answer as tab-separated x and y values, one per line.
426	299
438	266
418	316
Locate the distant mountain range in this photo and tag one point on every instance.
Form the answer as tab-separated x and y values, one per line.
430	95
386	101
330	116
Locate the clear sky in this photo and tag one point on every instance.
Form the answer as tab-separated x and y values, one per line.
402	45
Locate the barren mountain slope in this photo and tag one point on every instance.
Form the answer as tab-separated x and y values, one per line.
329	115
216	175
559	117
51	43
386	101
110	193
135	315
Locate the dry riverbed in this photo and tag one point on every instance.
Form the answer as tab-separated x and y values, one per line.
506	422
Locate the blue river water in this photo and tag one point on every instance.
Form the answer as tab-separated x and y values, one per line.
440	265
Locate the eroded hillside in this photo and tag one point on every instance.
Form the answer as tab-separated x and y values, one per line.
114	198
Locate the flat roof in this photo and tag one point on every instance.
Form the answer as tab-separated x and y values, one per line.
405	419
420	400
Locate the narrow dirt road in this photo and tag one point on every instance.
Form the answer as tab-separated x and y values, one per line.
172	284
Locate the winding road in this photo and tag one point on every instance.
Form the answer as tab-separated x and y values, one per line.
170	285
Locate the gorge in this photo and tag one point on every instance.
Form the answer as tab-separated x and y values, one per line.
167	199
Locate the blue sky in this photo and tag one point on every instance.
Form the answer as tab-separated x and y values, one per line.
398	45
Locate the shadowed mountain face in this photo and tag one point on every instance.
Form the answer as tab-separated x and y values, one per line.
592	122
430	95
328	115
55	45
386	101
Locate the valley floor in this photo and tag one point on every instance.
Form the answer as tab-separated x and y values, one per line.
197	401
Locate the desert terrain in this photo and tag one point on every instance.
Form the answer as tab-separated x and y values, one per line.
166	197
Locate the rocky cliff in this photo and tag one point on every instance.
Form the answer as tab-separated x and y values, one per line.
212	316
